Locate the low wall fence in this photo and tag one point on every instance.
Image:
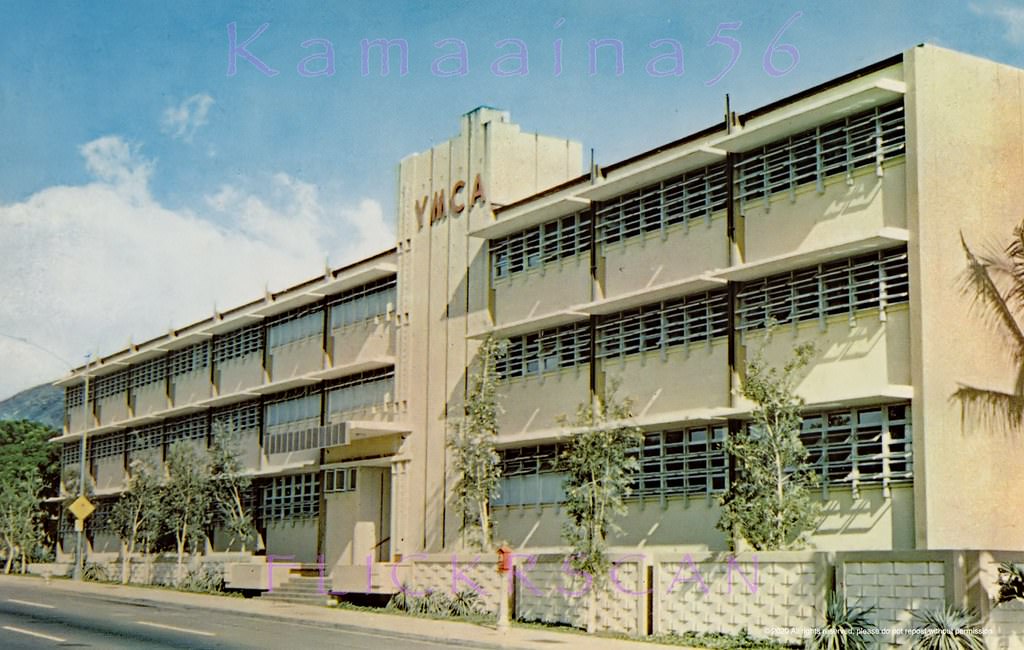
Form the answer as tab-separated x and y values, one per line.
159	569
778	595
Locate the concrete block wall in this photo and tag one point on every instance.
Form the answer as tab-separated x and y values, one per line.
899	583
896	585
550	591
451	573
770	595
161	569
1007	625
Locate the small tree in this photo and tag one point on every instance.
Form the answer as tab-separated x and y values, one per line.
473	449
138	515
770	504
29	465
600	463
20	519
187	495
229	484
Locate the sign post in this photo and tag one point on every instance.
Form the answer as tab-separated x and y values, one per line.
80	508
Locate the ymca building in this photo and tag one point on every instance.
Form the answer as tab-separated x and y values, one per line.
837	212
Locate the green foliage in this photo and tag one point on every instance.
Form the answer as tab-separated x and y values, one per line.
69	479
600	463
93	572
21	525
229	483
465	603
472	443
137	517
400	600
188	496
844	627
770	503
952	628
25	451
437	603
719	641
1011	583
203	580
996	285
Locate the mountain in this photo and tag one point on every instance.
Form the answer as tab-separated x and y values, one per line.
43	403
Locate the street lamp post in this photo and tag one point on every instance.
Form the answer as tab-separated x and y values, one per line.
80	523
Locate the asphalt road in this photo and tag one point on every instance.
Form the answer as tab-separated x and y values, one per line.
32	616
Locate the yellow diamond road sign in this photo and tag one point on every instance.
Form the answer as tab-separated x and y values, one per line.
81	508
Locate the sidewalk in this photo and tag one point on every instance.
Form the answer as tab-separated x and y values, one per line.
466	635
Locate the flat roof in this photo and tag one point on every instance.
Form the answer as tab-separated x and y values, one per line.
713	129
183	334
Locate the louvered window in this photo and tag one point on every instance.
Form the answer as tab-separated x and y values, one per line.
658	326
191	359
363	303
539	245
696	195
239	343
843	287
863	140
545	351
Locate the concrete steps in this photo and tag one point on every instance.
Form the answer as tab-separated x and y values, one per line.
299	589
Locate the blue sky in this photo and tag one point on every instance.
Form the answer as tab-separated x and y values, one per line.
130	160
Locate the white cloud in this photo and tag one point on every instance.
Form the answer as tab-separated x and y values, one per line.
118	164
1012	18
182	121
86	266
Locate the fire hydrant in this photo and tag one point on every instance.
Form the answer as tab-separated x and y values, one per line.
504	559
505	571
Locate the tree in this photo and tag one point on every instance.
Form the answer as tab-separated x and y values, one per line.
138	515
187	496
20	519
229	484
473	449
29	470
600	462
26	450
770	503
996	283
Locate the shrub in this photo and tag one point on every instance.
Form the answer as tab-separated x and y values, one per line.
721	641
436	603
952	628
466	603
1011	583
93	572
203	580
399	601
844	626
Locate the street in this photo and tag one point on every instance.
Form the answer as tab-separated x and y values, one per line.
35	616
